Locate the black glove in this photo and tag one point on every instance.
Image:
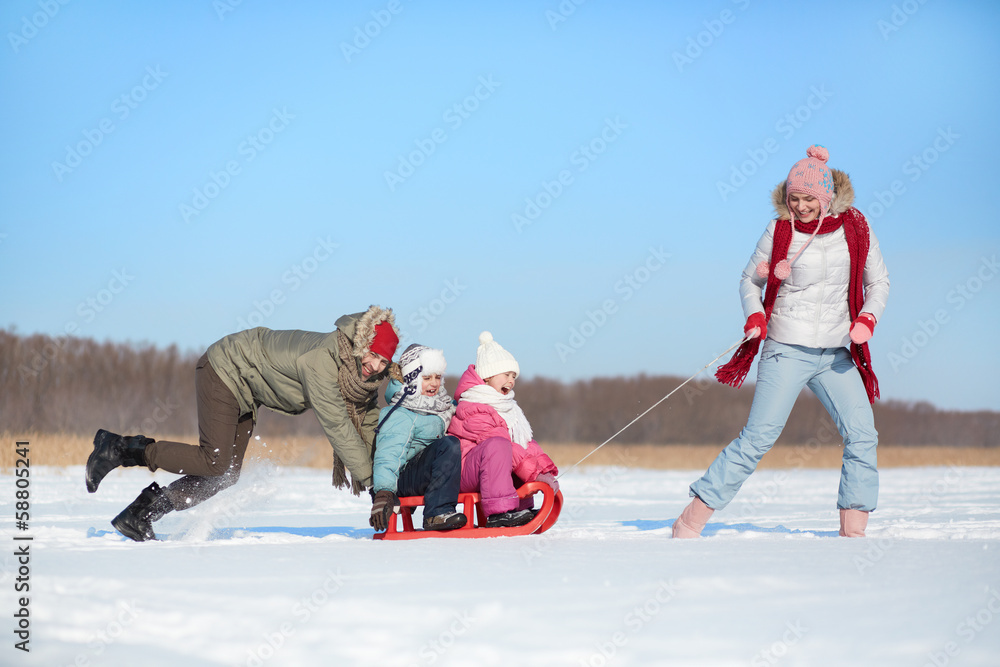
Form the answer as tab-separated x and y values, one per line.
383	504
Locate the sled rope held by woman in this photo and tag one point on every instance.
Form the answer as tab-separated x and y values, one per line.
650	408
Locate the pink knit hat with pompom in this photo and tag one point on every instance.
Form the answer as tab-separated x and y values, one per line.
811	176
808	176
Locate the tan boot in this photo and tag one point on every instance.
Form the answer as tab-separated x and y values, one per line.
853	523
692	520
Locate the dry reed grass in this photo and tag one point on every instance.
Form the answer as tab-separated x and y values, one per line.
63	450
54	449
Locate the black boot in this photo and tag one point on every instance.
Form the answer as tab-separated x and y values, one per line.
111	451
509	519
446	521
136	521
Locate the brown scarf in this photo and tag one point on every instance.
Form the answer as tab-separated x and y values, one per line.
856	234
359	395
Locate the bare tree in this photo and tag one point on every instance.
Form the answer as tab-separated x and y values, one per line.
77	385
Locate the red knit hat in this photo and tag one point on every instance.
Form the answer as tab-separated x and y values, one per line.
385	341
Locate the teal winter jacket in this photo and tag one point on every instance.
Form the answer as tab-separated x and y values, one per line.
401	437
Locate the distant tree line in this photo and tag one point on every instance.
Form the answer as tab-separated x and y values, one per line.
77	385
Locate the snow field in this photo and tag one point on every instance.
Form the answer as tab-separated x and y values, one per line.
281	570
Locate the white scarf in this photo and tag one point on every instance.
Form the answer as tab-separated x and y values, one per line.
506	407
440	404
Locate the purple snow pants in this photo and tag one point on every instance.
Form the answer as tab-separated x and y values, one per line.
486	470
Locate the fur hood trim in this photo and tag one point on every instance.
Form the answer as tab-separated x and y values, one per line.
843	195
364	329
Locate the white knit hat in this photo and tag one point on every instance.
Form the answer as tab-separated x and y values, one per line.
492	359
415	355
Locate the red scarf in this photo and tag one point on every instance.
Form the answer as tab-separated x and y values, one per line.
856	233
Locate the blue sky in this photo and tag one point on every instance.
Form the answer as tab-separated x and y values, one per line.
585	181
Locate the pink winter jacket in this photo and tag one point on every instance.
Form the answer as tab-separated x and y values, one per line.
475	422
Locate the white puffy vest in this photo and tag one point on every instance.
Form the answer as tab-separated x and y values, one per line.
811	307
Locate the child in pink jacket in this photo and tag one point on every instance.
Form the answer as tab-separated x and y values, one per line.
497	446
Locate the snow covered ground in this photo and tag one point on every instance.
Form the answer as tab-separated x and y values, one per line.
281	570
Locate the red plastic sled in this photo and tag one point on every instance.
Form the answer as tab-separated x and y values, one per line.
473	510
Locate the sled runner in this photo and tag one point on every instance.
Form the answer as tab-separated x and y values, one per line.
473	510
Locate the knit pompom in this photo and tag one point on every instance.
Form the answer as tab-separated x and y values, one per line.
762	269
818	152
485	337
783	270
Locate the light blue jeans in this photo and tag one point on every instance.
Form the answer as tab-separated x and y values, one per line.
782	371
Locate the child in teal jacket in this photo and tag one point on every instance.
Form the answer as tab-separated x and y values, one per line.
413	457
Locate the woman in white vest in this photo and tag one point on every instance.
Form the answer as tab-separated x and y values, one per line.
812	293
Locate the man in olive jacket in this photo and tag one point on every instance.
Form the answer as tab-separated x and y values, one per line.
336	374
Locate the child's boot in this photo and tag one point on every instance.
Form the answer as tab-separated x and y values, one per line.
853	523
692	520
509	519
446	521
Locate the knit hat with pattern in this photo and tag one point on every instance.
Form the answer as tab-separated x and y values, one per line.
811	176
431	361
808	176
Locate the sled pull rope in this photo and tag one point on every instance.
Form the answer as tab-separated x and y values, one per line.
731	347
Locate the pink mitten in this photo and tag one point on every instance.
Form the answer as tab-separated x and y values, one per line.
548	479
862	328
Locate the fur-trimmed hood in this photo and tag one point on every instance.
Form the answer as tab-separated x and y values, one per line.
360	327
843	195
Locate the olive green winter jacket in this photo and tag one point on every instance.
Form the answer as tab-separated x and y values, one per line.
292	371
